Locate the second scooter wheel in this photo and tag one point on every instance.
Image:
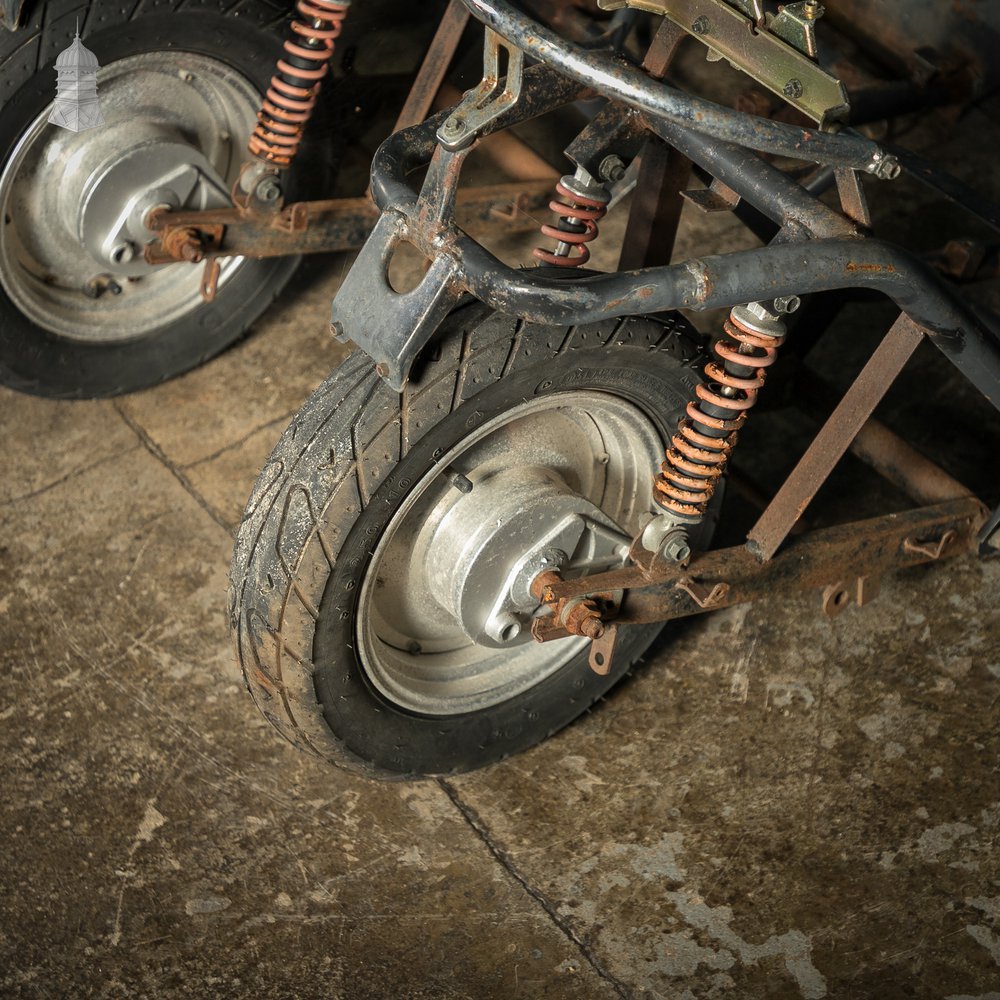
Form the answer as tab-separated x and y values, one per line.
378	590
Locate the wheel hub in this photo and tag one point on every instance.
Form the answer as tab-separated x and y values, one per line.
444	607
158	170
491	543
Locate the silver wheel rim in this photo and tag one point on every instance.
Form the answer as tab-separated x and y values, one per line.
157	105
600	448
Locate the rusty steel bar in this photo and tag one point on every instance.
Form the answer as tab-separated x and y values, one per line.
434	67
885	452
834	438
843	555
655	212
337	224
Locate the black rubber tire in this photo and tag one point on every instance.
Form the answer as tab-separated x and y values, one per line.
340	472
242	33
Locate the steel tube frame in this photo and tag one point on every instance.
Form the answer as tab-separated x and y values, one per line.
622	82
795	267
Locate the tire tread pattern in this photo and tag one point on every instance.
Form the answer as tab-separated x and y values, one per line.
310	490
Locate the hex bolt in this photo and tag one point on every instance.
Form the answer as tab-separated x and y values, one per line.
793	89
701	26
676	548
886	167
453	125
612	168
592	627
787	303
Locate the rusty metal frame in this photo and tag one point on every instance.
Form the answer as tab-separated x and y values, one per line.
818	248
259	230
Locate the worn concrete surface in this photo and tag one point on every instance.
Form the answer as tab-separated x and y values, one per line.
775	806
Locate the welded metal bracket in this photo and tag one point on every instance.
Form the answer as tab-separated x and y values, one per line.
488	100
369	311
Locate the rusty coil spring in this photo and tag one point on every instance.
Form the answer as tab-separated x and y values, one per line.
706	435
577	226
292	95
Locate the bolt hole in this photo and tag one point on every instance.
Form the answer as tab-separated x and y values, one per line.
599	659
840	598
511	631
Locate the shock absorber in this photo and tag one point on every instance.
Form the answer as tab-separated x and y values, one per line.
699	450
292	95
584	204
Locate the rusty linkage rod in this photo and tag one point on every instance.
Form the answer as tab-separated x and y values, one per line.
848	558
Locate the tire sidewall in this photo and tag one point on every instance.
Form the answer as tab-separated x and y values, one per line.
375	729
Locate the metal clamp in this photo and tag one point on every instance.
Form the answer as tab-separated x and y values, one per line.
487	101
930	549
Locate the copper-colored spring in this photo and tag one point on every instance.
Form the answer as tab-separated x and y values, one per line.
701	447
577	226
288	104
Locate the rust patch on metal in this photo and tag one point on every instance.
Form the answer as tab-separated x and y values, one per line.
854	266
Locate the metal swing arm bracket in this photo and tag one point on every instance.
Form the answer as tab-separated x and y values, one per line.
846	560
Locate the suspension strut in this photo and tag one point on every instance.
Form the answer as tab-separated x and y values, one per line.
291	96
699	450
584	204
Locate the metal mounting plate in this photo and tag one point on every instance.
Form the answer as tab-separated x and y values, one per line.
769	60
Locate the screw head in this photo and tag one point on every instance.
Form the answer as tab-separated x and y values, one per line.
701	25
453	125
792	89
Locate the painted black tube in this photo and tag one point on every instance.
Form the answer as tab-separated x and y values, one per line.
746	276
622	82
778	196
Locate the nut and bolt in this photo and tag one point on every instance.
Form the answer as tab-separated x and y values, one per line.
581	617
453	125
793	89
675	548
268	190
184	244
701	25
612	168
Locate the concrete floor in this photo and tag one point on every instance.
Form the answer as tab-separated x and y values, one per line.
776	805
